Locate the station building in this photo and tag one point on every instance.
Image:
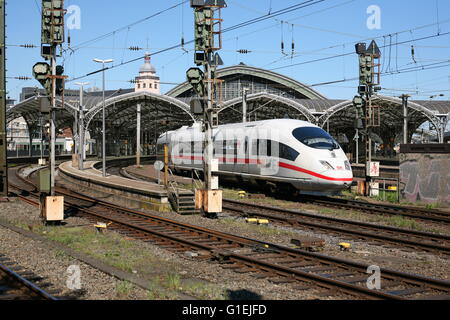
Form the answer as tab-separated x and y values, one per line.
270	95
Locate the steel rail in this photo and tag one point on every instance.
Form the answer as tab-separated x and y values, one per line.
31	291
407	211
215	243
424	240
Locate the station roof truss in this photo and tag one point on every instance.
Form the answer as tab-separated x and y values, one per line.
270	96
256	80
159	113
29	109
391	113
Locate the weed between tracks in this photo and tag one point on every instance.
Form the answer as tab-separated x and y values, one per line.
165	280
394	221
123	289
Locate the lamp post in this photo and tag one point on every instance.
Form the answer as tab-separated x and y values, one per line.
103	117
404	98
81	143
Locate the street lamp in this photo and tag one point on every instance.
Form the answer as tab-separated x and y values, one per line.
103	117
81	144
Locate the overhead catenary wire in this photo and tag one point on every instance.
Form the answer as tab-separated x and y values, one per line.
109	34
378	37
240	25
277	13
430	66
351	53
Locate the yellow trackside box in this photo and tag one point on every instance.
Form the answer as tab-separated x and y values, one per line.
209	200
212	201
198	199
54	208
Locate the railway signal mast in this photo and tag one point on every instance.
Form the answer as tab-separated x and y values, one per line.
208	40
3	142
52	79
367	115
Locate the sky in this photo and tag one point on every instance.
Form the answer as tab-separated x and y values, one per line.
320	31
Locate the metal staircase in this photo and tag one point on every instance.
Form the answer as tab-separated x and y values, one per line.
182	200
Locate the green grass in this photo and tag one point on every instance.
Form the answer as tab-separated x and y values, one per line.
173	281
389	196
205	291
123	288
125	254
432	206
403	222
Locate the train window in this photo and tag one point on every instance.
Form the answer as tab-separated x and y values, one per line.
255	147
315	138
272	148
288	153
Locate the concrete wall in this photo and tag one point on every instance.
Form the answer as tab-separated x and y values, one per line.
425	177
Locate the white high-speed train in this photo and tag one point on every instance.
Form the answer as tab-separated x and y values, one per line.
274	153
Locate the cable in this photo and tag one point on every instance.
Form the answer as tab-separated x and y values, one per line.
274	14
126	43
431	66
350	53
240	25
396	52
374	38
79	46
388	68
38	7
300	25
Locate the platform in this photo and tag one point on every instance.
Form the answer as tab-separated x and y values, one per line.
149	173
120	190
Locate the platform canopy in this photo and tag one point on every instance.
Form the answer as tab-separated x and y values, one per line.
340	118
270	96
159	113
30	110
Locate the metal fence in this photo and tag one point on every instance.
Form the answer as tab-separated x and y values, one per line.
383	189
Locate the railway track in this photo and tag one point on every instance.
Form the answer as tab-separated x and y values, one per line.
19	284
384	209
276	263
425	215
404	239
376	234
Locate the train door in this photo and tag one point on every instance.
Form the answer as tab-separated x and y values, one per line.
241	153
244	159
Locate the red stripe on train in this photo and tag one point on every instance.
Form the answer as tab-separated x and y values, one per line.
282	164
311	173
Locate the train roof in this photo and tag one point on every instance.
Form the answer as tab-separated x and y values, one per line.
273	123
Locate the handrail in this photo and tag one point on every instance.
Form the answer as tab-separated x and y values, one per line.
196	184
172	184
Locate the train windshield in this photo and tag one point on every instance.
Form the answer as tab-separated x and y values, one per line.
315	138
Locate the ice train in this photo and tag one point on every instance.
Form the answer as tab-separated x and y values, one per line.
277	154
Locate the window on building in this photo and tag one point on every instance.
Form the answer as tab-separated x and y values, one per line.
156	86
150	86
139	85
144	86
